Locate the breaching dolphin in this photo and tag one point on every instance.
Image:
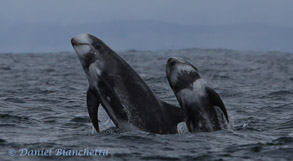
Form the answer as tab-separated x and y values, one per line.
126	98
203	108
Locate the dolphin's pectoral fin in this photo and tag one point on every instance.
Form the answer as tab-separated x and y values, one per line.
217	101
176	113
114	101
93	102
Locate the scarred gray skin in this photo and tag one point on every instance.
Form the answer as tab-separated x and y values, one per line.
202	106
126	98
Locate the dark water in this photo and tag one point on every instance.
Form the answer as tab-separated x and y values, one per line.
42	102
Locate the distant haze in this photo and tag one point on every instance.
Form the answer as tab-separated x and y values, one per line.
48	26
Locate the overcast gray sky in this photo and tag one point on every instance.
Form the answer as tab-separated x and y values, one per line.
215	12
186	12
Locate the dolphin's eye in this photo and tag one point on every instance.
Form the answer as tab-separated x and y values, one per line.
97	46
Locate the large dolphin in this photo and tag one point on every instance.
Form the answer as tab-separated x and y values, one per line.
126	98
203	107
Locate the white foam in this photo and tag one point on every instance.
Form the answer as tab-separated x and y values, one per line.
222	119
182	128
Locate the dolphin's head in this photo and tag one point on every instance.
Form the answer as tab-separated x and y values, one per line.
88	48
180	73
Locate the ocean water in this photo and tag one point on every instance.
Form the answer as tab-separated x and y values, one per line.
42	107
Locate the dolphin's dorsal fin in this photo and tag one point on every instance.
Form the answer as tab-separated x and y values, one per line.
217	101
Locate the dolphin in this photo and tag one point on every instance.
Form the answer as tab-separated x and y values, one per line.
203	108
126	98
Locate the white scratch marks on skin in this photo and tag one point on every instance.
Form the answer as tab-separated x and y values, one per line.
85	47
98	72
180	69
195	95
82	49
94	73
83	38
92	76
108	98
199	86
121	93
191	95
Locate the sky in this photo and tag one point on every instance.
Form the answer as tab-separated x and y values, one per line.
213	13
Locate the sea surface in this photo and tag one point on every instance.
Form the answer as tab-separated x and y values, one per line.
42	107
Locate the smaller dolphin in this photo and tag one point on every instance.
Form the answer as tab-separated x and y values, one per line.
202	106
